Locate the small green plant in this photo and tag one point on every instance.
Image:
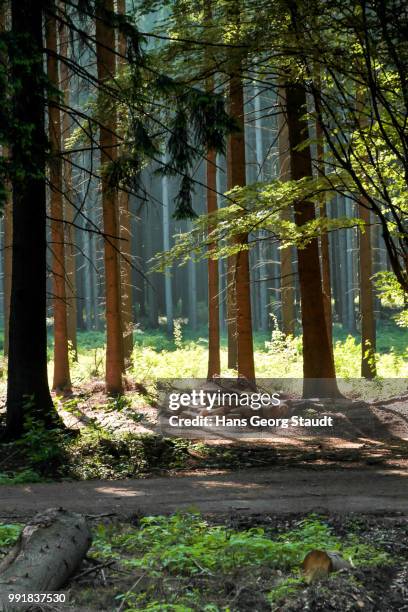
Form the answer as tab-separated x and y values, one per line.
9	534
44	449
97	366
118	403
284	589
178	333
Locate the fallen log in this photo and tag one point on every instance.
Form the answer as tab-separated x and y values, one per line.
49	550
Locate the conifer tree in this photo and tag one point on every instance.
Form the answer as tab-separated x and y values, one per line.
61	381
106	63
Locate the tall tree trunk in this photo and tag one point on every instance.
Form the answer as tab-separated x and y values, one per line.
8	254
105	44
70	251
318	364
263	284
8	225
125	220
62	380
350	250
27	391
287	278
214	362
192	290
368	331
168	293
324	242
240	266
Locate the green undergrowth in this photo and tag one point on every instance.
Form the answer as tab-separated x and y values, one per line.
93	452
157	355
187	563
184	563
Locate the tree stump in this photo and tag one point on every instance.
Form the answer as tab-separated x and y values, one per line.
49	550
319	564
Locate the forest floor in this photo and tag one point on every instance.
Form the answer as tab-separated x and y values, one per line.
253	493
236	562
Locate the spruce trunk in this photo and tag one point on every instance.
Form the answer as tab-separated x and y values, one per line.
62	380
27	391
214	364
242	295
105	44
70	251
318	364
324	241
368	331
125	219
286	271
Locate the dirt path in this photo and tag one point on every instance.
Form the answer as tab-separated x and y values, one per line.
277	490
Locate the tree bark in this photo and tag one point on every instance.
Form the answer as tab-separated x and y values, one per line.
192	290
49	550
214	362
28	392
168	292
368	331
287	284
318	364
105	45
70	251
126	237
240	266
8	225
7	272
324	242
264	305
62	380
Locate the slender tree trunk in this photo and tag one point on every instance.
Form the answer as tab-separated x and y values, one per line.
70	251
263	284
105	43
126	237
242	297
318	364
168	293
8	254
324	242
350	250
62	380
192	290
343	304
8	225
287	278
27	391
214	363
231	314
368	332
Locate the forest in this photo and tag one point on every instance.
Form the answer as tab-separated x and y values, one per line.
203	305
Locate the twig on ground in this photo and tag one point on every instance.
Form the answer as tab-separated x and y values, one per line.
95	568
128	592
